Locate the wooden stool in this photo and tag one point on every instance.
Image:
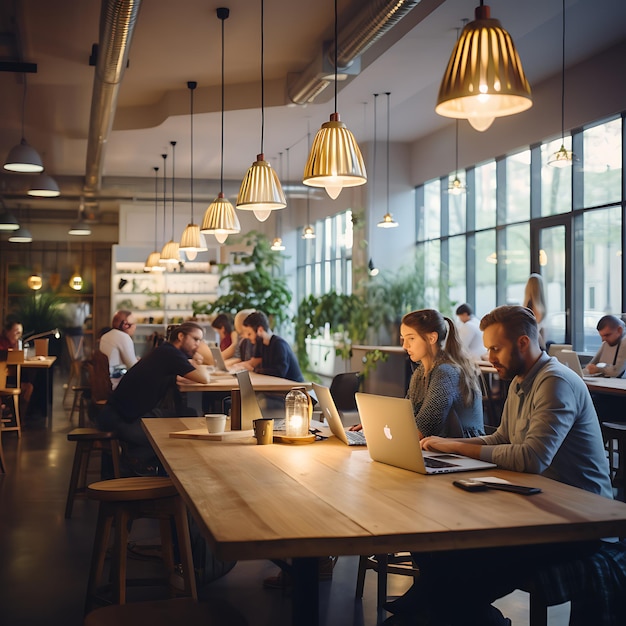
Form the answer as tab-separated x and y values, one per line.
614	434
165	613
123	500
14	422
88	440
2	464
79	403
398	563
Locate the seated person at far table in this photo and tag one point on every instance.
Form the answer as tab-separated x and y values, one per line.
229	338
245	350
10	338
610	360
149	389
469	332
277	357
549	427
117	344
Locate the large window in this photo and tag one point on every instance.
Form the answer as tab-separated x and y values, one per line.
490	239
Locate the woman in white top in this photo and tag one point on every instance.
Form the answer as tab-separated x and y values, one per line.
118	345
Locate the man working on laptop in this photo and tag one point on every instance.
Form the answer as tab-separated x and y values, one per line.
610	360
549	427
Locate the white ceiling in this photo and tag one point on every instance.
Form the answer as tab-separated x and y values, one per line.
175	42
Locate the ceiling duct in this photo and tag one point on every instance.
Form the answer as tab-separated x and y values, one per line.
117	23
374	19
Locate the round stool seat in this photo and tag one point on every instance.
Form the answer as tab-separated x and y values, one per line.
135	488
89	434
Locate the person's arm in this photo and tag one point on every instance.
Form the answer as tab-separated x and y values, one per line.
199	374
204	353
127	351
591	367
615	370
465	447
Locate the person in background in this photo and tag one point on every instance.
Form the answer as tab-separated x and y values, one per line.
149	390
229	338
10	339
118	345
277	357
610	360
469	332
549	427
535	300
245	349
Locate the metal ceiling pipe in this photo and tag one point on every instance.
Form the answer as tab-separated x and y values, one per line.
117	24
374	19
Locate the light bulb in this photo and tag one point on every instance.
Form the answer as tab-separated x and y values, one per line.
262	214
221	236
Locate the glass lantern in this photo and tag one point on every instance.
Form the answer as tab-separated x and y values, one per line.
296	414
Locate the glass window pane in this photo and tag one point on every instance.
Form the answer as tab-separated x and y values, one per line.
602	148
429	225
432	265
518	187
552	262
602	269
456	271
516	259
556	182
486	195
485	272
457	204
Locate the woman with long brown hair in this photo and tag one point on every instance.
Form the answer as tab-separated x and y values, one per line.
444	388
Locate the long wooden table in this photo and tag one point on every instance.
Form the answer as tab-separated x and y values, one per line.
279	501
608	386
229	383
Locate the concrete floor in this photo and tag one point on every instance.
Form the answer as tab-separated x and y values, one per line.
44	558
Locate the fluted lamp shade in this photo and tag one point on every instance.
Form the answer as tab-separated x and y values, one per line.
192	241
335	160
170	254
387	221
152	263
220	219
260	190
484	78
23	158
21	235
277	244
44	186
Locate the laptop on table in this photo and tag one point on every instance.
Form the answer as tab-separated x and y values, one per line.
392	438
219	362
330	412
570	359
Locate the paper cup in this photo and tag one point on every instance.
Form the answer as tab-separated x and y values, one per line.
215	423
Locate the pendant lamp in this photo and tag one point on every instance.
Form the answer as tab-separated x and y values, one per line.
277	242
260	190
152	262
80	228
44	186
562	157
335	161
21	235
192	240
220	219
23	157
8	222
308	232
455	186
484	78
76	279
170	255
387	221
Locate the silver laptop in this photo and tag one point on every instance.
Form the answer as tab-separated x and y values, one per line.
570	359
557	347
392	438
219	361
329	411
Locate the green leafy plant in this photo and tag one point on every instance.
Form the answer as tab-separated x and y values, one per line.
39	312
260	288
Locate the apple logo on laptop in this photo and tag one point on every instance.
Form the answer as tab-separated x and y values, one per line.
387	432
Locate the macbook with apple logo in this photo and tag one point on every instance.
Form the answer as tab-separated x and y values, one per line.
392	438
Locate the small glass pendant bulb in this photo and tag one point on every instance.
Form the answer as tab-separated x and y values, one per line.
262	214
191	254
221	236
296	414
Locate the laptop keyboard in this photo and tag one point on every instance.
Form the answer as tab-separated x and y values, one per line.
430	462
355	437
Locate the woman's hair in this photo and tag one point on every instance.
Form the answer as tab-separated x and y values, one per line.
119	319
426	321
223	321
534	298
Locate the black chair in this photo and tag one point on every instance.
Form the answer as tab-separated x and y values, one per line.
342	389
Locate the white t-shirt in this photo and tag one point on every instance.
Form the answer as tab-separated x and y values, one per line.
472	337
120	350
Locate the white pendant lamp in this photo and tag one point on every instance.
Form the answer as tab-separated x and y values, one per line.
80	228
220	218
192	240
387	221
335	160
308	232
170	255
260	190
484	78
152	262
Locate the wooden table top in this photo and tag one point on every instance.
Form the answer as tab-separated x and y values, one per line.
609	386
277	501
227	382
44	362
